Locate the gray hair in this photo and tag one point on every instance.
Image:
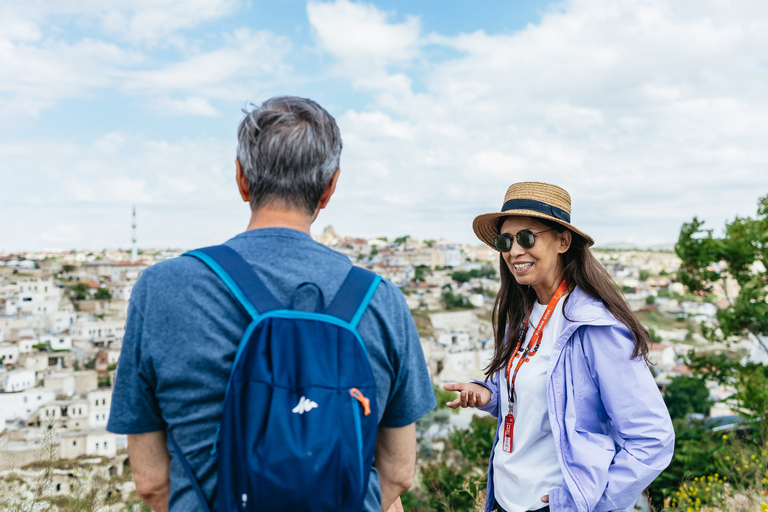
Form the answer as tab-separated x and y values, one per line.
289	149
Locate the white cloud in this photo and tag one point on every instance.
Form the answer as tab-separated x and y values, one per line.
647	112
245	63
69	234
360	35
122	169
136	21
35	76
193	105
185	192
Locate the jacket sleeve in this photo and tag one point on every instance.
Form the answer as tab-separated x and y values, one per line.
637	411
493	386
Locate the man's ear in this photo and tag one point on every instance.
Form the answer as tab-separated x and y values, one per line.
329	190
242	182
327	193
565	241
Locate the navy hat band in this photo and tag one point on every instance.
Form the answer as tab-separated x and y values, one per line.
536	206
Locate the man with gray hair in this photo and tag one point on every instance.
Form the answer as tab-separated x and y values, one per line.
183	325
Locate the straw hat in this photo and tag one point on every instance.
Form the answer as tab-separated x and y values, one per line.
529	199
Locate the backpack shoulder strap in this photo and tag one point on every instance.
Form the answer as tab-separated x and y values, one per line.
249	290
188	471
354	295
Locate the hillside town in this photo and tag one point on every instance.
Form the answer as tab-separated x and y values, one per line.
62	317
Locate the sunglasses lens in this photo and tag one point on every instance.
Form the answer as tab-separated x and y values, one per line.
526	239
503	243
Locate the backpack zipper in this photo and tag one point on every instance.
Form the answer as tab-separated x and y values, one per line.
359	400
216	440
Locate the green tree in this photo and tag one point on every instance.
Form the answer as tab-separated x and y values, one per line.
740	255
650	300
707	260
80	291
456	485
103	294
402	239
461	276
686	395
752	394
451	300
696	453
644	275
719	366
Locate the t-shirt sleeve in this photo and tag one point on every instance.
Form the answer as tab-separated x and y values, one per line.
411	395
134	408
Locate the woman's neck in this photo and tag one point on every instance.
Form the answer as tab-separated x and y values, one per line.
545	291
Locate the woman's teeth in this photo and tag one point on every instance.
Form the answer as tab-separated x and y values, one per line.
522	266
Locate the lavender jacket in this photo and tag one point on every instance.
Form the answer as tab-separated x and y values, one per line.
612	431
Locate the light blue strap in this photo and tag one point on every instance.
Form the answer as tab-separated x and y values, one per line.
364	303
227	279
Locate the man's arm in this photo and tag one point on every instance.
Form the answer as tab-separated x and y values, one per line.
150	462
395	461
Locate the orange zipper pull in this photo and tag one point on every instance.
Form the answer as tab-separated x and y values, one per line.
366	403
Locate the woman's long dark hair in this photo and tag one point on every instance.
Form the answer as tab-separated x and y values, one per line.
581	269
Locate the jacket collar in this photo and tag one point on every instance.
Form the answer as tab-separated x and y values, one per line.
581	309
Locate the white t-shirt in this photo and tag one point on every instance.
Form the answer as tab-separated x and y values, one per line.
531	470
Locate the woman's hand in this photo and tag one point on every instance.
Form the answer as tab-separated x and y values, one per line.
470	395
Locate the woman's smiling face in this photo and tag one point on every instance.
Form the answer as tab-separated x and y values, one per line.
540	266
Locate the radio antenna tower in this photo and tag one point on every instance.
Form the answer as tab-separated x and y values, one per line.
133	236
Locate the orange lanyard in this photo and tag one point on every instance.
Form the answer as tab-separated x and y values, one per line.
533	344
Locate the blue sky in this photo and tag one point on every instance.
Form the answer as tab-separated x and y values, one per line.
648	112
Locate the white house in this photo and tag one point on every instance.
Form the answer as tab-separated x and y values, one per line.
9	353
38	296
77	409
97	331
20	405
60	321
11	306
455	339
453	320
51	412
121	290
86	381
89	442
26	345
757	353
61	382
452	257
36	361
19	380
662	355
99	402
57	341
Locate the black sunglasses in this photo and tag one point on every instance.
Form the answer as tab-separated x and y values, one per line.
526	238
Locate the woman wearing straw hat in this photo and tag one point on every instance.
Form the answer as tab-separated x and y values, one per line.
581	424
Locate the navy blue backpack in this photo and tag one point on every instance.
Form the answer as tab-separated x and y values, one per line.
298	429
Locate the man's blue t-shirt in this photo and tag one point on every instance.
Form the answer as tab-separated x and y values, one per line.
183	328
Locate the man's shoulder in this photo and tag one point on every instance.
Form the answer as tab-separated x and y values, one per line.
171	271
163	281
390	295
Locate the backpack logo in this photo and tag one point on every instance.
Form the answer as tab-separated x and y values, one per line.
304	405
